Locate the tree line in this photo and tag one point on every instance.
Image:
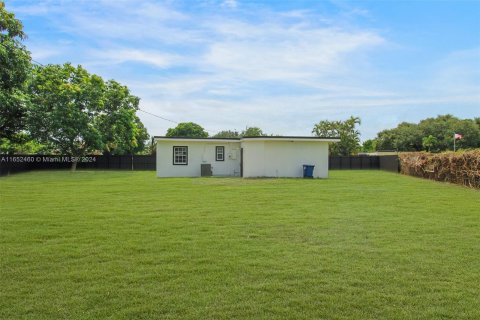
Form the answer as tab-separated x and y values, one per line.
61	109
432	134
191	129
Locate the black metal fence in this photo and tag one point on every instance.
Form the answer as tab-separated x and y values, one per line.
389	163
353	162
18	163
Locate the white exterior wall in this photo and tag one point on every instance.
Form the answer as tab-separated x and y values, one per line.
269	158
253	159
199	152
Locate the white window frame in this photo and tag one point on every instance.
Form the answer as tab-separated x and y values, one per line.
180	155
222	153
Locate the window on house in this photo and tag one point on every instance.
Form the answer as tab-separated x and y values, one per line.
180	155
220	153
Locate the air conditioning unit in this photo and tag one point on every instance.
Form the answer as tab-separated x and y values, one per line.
206	170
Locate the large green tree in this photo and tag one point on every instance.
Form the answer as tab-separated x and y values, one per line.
248	132
443	129
433	134
405	137
345	130
67	104
77	113
187	129
121	129
252	132
369	145
15	64
227	134
429	142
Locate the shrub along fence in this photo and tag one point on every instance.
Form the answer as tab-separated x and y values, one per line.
455	167
18	163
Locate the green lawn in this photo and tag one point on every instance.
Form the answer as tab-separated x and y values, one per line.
127	245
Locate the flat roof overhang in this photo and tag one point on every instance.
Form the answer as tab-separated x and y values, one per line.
291	138
195	139
257	138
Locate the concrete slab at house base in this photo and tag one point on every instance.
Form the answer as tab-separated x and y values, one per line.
247	157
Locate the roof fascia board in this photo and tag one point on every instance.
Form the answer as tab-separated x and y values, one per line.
275	138
157	139
293	139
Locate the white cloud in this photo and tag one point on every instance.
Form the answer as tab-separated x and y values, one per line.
40	8
117	56
156	11
282	71
230	4
297	54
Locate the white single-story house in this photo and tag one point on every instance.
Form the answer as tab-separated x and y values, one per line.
242	157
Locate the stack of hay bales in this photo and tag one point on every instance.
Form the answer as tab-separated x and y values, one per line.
455	167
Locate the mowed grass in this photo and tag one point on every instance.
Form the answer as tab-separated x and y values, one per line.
128	245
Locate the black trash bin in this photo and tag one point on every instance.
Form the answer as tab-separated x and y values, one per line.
308	170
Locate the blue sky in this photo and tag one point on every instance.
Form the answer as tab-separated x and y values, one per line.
279	65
